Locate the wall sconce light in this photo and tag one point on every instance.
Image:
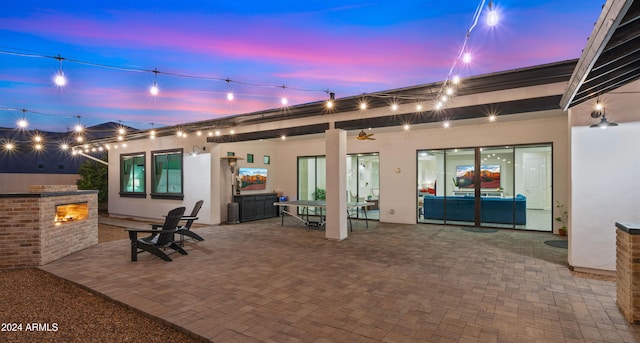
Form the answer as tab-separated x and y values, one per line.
599	112
196	150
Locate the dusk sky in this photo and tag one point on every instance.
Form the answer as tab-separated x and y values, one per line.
348	48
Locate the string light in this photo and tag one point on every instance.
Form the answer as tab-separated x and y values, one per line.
492	15
446	91
466	58
22	123
154	90
492	118
59	79
332	97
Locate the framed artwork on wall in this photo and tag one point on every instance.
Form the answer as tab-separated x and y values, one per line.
267	159
249	158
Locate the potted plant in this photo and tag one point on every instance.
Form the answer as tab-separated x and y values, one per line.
319	194
562	218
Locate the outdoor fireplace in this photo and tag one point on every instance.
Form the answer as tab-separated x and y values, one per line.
45	224
71	212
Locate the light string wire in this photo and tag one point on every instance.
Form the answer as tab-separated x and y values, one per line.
156	71
475	19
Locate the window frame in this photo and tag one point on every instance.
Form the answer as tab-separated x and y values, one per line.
143	193
167	195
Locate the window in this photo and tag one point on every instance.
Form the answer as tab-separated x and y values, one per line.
132	175
166	174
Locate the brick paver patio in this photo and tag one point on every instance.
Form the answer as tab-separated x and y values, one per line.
260	282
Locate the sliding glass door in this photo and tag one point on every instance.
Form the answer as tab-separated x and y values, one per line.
363	183
504	186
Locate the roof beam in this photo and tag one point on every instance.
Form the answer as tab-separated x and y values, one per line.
610	18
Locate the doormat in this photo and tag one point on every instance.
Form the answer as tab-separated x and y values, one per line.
477	229
558	243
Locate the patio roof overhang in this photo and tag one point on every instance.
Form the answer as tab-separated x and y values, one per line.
611	58
320	117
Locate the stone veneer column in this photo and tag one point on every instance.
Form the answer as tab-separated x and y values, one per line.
336	152
628	270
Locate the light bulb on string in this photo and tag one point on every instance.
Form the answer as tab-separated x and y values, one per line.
154	90
456	79
22	123
332	98
492	15
230	95
466	58
78	128
449	91
329	104
283	99
394	107
59	79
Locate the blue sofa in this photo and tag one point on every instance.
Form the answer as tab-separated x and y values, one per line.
461	208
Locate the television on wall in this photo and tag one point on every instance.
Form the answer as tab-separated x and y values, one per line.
489	176
252	179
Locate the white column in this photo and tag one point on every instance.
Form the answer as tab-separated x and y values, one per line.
336	152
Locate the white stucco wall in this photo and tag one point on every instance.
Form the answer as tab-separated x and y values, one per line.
605	188
197	183
398	148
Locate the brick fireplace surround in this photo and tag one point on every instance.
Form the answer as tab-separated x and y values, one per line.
29	235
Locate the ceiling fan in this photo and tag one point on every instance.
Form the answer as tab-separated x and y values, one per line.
365	136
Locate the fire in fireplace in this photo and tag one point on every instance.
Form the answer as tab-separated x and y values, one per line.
71	212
